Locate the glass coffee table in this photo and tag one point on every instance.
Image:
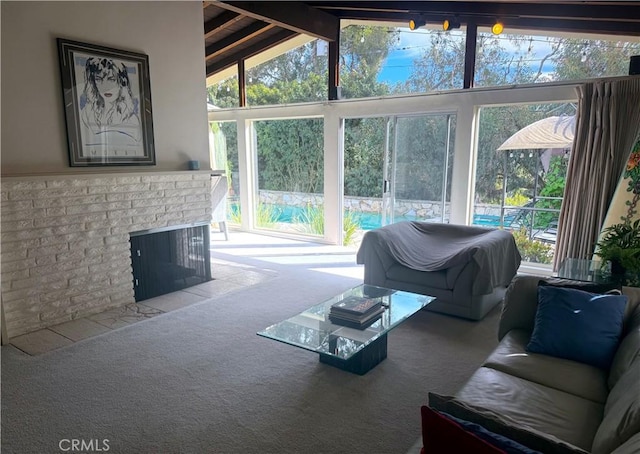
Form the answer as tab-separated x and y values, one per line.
350	349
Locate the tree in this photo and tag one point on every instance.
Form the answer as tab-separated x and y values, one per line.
290	152
511	59
440	66
579	59
421	156
363	50
290	155
554	182
224	94
364	144
300	75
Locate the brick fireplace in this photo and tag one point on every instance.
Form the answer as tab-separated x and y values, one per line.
65	241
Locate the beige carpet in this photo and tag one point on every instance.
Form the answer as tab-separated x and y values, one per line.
199	379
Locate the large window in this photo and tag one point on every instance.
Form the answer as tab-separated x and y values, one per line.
224	94
401	149
422	164
299	75
521	58
382	60
223	151
290	166
520	187
395	60
397	168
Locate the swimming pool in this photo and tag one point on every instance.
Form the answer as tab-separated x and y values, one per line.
366	221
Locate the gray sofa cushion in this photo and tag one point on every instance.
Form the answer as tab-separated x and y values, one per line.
629	348
520	305
502	425
543	409
510	357
622	412
628	352
631	446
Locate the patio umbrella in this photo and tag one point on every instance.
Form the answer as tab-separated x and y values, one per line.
550	132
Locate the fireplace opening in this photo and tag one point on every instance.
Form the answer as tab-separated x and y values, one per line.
168	260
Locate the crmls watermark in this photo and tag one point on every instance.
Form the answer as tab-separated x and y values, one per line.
80	445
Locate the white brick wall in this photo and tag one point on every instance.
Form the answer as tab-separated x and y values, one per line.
65	250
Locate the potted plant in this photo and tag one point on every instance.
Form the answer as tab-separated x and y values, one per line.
620	245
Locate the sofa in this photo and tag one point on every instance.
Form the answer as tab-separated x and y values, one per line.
467	268
547	403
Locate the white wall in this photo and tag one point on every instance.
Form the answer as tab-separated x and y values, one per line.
33	125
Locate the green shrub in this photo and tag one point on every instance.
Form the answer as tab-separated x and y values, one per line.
532	250
517	199
233	213
553	187
350	227
266	215
311	220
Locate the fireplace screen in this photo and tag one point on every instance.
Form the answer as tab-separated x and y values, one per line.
168	261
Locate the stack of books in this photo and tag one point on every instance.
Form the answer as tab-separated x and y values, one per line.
356	311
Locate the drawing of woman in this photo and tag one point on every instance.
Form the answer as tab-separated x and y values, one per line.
109	112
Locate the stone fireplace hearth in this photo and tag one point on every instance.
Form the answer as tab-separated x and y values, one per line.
65	239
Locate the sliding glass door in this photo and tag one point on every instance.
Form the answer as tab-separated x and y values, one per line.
397	168
418	175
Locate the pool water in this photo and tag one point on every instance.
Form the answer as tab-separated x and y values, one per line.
366	221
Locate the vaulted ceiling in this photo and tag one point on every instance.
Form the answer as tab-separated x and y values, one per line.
235	31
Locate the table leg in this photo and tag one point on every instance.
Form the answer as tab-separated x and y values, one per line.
363	361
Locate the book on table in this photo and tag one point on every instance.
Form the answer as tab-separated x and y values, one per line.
356	321
356	305
356	311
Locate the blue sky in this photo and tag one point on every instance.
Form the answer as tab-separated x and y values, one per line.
397	66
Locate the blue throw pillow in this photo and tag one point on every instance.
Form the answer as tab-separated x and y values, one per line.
577	325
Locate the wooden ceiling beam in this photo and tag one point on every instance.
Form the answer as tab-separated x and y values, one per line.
614	11
578	26
523	23
254	49
237	38
295	16
220	22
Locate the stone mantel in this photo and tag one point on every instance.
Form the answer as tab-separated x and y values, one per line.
65	250
96	174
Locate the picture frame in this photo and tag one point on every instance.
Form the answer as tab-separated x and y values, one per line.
107	105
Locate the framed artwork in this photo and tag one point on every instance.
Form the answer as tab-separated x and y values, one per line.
107	105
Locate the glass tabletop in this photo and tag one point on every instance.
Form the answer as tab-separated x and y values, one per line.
594	271
312	329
